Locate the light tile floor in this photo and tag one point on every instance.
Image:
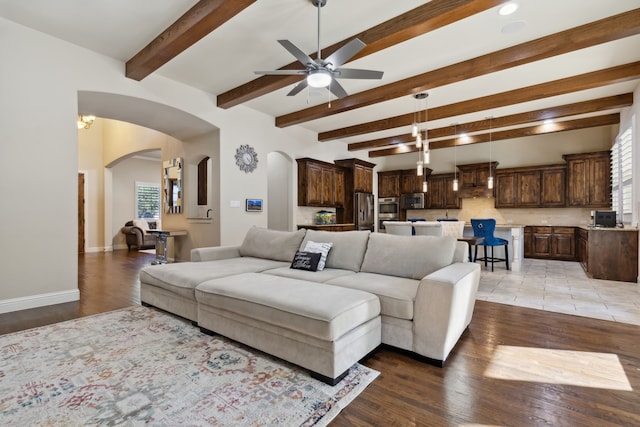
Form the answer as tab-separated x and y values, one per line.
561	287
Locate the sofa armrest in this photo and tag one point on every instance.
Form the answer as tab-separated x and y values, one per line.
214	253
443	308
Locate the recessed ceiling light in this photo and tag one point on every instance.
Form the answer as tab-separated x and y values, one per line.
548	122
508	9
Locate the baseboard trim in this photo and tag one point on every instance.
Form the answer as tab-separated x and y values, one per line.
41	300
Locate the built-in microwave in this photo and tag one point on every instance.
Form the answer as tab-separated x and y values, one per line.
412	201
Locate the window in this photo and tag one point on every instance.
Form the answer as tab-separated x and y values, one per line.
622	176
148	200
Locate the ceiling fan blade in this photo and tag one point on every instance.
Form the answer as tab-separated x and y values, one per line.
354	73
297	88
345	53
305	59
282	72
337	89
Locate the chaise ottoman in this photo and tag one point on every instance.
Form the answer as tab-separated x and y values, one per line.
320	327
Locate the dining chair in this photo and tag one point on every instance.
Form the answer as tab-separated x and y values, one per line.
485	228
452	228
428	228
400	228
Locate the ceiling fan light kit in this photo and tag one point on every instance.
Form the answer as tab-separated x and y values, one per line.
321	73
319	78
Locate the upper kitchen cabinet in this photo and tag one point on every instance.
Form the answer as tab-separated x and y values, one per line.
320	184
474	179
588	179
517	188
389	184
553	184
440	194
531	187
410	182
359	177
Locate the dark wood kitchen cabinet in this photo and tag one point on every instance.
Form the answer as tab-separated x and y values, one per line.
320	184
410	182
531	187
550	242
474	179
589	180
515	189
389	184
553	186
359	178
440	194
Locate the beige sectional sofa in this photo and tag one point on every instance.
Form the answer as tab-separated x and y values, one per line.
416	293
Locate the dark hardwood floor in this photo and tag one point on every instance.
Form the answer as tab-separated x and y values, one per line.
512	367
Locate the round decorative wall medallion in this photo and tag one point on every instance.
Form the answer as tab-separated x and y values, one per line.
246	158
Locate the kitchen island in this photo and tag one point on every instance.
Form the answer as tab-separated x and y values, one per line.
608	253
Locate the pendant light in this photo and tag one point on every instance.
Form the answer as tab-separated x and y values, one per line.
416	132
455	160
490	179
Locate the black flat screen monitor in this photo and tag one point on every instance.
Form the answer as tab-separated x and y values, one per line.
605	219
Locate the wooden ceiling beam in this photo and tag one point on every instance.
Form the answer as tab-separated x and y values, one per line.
588	35
421	20
585	107
585	81
589	122
204	17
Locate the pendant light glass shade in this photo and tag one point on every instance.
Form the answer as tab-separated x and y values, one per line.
490	179
416	132
455	184
424	186
427	157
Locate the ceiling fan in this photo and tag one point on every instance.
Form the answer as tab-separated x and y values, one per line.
320	72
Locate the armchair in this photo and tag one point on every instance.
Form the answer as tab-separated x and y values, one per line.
137	236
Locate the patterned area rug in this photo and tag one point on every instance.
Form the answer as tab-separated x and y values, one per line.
139	366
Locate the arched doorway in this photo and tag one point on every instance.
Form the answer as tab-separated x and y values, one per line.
279	191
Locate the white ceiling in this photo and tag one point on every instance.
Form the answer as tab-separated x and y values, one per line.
227	57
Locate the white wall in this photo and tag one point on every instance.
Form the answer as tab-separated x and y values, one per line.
43	81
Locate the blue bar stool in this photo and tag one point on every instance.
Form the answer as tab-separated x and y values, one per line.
485	228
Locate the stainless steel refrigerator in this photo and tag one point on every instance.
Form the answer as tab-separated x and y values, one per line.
364	211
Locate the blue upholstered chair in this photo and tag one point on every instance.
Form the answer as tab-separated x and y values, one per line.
485	228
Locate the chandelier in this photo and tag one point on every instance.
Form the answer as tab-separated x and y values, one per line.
85	122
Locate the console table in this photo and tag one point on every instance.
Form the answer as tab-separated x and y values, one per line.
163	235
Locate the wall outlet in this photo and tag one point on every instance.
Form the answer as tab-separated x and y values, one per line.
235	204
544	221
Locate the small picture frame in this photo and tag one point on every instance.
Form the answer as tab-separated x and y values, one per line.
254	205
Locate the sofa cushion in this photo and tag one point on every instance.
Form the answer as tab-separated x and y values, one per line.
182	278
319	310
348	247
322	248
312	276
397	294
408	256
307	261
271	244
